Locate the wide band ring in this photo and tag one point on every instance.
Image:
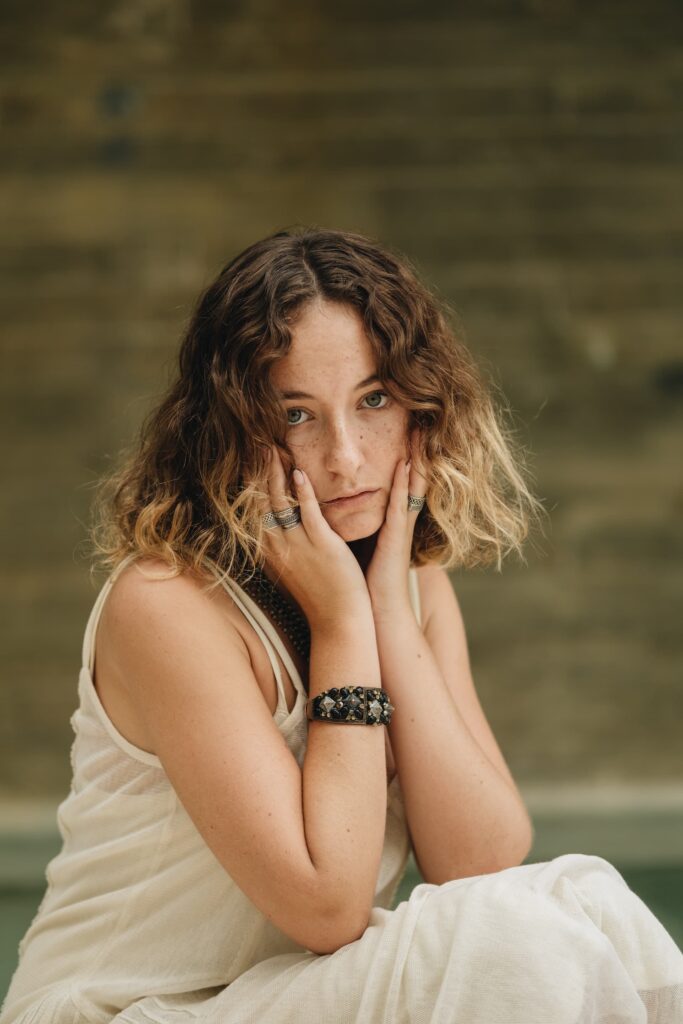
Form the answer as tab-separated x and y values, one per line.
414	503
269	521
287	518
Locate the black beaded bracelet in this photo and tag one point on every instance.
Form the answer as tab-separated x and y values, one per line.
355	705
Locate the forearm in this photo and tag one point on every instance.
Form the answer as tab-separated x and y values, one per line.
464	817
344	773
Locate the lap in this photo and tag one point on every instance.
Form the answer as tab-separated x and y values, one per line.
565	941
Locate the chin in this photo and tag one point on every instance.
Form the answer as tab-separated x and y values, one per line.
356	527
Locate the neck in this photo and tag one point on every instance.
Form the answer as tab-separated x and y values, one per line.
363	549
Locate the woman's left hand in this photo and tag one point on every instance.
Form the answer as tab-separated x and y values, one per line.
387	573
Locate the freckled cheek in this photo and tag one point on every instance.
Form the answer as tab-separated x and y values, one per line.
389	436
384	443
385	434
381	443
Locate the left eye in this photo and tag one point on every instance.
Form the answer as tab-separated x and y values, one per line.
376	394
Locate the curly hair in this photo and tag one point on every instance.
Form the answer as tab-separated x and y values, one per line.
192	486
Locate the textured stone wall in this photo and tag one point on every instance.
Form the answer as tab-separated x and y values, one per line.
525	156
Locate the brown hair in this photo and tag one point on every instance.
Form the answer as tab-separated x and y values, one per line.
191	488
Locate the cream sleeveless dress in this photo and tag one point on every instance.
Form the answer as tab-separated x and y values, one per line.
140	924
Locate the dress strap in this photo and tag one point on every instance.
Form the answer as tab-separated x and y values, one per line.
413	591
249	605
253	615
258	616
88	649
414	594
265	631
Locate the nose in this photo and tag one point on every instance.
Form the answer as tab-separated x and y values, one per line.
343	451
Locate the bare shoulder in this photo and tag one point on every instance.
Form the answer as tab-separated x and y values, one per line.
148	610
145	598
150	581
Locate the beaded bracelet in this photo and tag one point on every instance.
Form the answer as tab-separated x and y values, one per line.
355	705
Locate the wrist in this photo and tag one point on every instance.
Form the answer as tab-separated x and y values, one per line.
343	620
390	606
344	653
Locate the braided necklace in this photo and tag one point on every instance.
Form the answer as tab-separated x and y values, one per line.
283	611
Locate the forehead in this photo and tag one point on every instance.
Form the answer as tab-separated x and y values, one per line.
328	345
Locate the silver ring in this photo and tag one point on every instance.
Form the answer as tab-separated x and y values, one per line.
414	503
269	521
287	518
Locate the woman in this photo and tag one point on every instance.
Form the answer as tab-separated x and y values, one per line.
265	730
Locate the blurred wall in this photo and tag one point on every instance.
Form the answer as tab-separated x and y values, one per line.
525	156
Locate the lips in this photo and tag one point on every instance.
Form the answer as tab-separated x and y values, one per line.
348	497
354	495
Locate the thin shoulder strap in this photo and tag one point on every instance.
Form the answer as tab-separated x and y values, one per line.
264	629
253	613
247	602
262	625
240	599
88	649
256	616
414	593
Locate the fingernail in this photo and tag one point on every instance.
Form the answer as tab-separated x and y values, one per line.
298	476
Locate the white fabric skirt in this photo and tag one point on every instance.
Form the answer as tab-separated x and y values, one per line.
564	941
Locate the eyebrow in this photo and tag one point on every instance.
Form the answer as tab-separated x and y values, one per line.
304	394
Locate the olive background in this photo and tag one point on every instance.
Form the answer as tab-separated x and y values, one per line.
526	157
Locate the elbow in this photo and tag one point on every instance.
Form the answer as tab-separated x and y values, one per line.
509	855
526	842
322	916
517	852
338	928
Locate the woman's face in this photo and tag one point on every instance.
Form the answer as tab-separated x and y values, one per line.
345	432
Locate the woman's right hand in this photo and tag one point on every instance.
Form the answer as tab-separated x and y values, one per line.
313	562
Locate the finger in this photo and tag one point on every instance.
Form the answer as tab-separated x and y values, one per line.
397	508
280	498
311	515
